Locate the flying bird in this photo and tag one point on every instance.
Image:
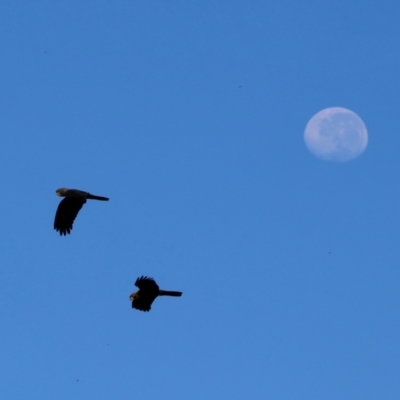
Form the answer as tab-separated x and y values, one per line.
147	293
69	207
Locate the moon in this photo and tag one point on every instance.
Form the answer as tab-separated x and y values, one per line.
336	134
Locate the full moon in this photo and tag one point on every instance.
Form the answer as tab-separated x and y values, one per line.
336	134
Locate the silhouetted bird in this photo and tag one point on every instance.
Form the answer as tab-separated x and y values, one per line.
147	293
69	207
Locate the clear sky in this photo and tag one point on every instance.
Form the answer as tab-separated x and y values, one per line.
190	116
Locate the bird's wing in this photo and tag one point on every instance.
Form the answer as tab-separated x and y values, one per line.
141	304
66	213
146	283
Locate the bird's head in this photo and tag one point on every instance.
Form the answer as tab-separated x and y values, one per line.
134	296
61	192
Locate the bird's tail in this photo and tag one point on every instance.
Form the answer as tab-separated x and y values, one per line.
170	293
93	197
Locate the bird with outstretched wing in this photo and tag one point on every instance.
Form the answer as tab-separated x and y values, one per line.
147	293
69	208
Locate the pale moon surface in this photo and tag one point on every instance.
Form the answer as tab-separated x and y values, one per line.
336	134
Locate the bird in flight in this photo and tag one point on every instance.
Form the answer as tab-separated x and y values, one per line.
147	293
69	207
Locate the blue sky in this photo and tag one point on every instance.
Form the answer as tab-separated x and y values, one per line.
190	117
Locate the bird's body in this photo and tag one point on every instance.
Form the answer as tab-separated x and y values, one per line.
69	208
147	293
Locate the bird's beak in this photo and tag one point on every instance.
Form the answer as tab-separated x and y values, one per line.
58	194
